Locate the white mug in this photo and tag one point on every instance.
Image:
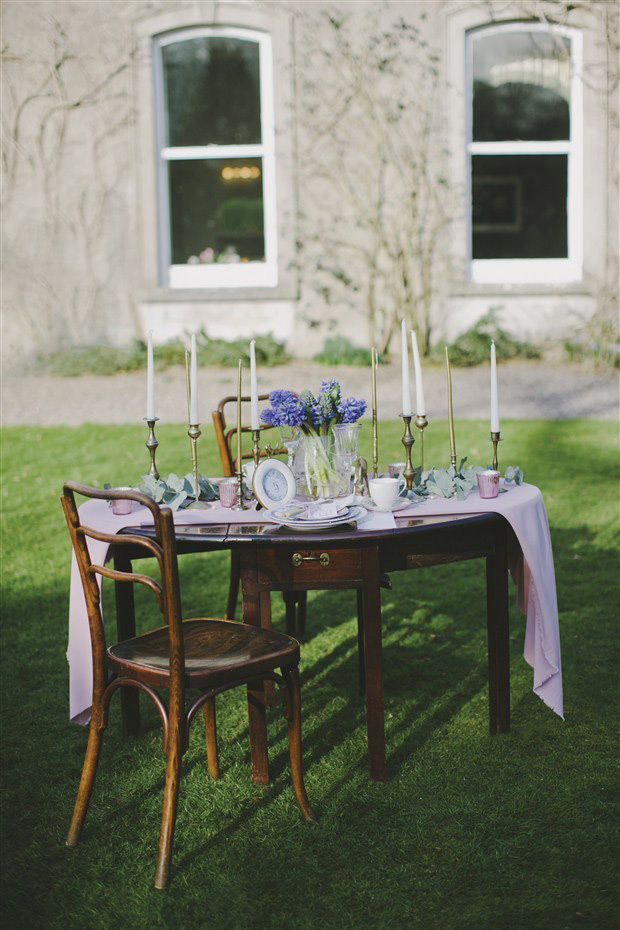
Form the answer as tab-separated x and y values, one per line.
385	491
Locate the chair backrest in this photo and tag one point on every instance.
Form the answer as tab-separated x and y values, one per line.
225	436
163	548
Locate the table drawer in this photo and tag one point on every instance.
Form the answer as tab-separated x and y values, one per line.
293	566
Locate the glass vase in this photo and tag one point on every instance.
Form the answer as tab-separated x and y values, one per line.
317	470
346	445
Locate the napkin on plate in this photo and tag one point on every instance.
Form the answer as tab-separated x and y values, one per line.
323	510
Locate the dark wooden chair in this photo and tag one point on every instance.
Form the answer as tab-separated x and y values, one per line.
225	436
205	654
294	601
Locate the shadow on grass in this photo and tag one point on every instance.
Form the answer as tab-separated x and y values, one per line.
435	681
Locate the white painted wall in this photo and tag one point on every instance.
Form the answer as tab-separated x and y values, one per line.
79	230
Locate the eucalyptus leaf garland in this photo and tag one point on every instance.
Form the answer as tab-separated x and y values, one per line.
177	493
454	482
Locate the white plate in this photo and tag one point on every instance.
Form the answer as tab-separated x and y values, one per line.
369	504
353	513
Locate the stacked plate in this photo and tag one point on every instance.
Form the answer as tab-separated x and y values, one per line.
296	517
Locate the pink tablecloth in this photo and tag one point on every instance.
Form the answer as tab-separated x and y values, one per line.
533	573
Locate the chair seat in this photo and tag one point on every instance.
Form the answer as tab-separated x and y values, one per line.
215	651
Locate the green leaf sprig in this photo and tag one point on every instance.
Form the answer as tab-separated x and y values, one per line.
177	493
454	482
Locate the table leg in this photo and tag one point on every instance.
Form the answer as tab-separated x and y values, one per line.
270	696
361	672
233	586
251	607
371	603
126	628
498	634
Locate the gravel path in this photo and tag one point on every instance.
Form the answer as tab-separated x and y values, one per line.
527	389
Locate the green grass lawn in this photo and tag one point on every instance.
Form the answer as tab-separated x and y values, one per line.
470	832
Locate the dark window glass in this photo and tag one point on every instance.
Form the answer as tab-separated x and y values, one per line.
521	87
216	210
212	92
519	206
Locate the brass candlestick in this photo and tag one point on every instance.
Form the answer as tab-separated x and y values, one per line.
194	432
375	429
421	423
151	445
495	438
450	414
255	446
239	473
408	442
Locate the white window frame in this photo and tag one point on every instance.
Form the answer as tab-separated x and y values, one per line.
533	270
240	274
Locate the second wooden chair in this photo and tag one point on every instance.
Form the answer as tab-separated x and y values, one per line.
209	655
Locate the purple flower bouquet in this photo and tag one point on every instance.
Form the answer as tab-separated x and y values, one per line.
313	416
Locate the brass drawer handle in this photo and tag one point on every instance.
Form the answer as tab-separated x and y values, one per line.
298	558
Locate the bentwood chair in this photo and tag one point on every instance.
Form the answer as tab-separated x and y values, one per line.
294	601
225	436
203	654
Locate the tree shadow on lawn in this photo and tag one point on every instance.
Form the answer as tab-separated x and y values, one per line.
432	672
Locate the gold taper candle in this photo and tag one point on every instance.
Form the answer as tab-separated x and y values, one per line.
239	462
375	434
450	412
187	382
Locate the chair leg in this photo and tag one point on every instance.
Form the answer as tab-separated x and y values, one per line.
293	716
169	812
361	659
302	598
208	713
295	608
233	586
89	770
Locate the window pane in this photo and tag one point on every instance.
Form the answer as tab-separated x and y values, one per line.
519	206
212	92
216	211
521	86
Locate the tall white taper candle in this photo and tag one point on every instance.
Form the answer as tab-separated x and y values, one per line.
150	379
239	452
420	407
254	421
406	411
494	402
193	386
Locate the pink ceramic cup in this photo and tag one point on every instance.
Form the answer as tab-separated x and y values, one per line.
488	483
395	469
228	492
122	506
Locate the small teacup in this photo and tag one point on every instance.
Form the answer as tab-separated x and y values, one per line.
122	506
395	469
385	491
228	492
488	483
